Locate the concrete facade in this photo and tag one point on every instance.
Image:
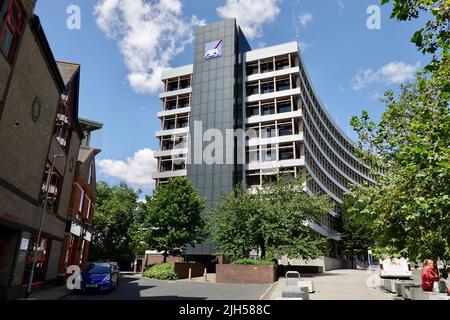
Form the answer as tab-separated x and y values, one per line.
266	91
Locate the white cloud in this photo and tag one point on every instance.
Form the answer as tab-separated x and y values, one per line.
392	73
305	19
251	15
149	35
136	171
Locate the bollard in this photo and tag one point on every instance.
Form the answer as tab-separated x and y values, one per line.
206	275
190	274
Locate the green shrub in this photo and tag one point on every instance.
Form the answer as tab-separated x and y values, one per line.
162	271
248	261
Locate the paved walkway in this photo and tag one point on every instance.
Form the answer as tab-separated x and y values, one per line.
338	285
54	293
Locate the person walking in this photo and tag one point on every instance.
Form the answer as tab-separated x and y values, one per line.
429	275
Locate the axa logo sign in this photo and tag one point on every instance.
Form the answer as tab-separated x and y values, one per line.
213	49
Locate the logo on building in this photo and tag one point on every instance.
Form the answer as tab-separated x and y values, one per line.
213	49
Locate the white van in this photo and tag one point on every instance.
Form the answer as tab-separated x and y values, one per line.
395	268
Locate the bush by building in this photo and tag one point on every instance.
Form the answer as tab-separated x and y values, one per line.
161	271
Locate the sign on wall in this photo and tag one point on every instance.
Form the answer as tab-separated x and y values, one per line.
213	49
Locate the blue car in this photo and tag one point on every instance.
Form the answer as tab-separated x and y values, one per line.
100	276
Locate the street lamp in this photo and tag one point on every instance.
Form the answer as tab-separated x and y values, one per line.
38	239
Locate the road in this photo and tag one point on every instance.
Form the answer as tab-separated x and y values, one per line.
135	287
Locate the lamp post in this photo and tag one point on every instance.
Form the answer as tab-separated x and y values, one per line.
44	208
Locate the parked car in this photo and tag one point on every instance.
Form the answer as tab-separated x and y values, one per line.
395	268
100	276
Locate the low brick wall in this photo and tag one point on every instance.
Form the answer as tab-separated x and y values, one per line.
182	269
150	260
251	274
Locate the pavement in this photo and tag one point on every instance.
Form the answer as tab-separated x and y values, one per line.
136	287
54	293
346	284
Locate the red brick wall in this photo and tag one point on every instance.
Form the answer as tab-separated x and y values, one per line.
234	273
182	270
154	259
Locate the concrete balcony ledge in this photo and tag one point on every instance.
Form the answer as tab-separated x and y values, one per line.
275	164
274	140
273	117
167	113
175	93
272	95
167	153
170	132
275	73
170	174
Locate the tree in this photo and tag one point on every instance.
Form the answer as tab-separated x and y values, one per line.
434	37
358	229
115	212
174	217
410	149
274	220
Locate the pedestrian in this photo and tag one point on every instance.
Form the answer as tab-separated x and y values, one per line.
429	275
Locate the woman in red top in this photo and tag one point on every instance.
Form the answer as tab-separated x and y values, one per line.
429	276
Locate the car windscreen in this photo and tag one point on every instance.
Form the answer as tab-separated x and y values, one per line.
97	269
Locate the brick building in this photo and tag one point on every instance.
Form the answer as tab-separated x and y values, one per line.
38	121
81	210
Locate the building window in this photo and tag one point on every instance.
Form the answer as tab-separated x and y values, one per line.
63	125
171	104
252	68
252	110
252	88
282	64
285	130
54	186
169	124
183	102
172	85
284	107
91	171
267	66
267	87
183	122
284	84
268	109
11	19
185	83
80	205
167	145
40	267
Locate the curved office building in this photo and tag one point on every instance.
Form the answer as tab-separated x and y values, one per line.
266	92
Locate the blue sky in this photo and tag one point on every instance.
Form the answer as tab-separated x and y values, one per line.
122	46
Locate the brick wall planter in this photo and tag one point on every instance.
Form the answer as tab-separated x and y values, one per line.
247	274
182	269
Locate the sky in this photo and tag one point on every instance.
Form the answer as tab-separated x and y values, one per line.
122	46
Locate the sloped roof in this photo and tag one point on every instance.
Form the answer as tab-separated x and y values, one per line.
67	70
85	153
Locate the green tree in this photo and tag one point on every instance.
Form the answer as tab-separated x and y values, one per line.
358	229
409	148
115	211
273	220
174	217
434	37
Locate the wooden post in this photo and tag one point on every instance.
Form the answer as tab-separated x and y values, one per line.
206	275
190	274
